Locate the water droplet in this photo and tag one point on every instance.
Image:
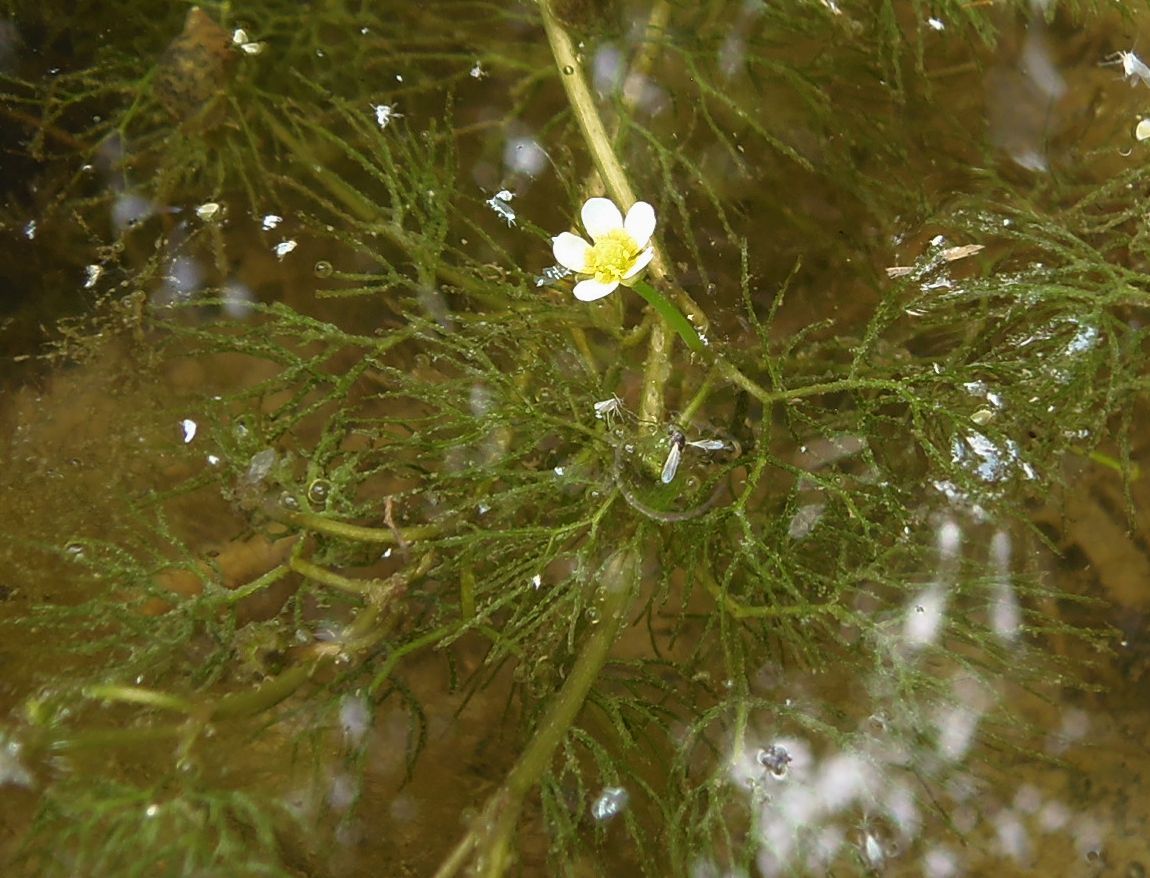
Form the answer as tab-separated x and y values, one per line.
774	759
323	268
287	501
610	802
318	492
593	615
568	70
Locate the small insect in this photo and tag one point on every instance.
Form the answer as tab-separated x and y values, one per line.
384	113
1132	66
551	274
500	202
678	442
674	456
608	409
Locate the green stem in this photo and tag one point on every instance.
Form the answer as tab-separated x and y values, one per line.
490	837
327	577
769	397
672	315
657	369
358	532
139	695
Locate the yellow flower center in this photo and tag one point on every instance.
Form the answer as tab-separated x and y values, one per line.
612	256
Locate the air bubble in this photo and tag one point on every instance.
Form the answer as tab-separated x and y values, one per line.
568	70
323	268
318	492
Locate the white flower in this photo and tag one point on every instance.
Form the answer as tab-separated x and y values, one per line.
619	252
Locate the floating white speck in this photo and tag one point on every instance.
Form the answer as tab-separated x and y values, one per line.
536	581
30	229
477	72
189	427
936	23
283	248
270	221
213	460
925	616
1142	130
610	802
208	210
239	36
253	48
92	275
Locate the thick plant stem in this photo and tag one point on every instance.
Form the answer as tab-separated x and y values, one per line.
658	368
488	843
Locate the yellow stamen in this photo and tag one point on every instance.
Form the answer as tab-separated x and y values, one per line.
612	256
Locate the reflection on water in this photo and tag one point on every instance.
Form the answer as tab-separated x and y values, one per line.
312	587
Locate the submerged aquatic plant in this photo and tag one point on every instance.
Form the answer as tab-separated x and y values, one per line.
408	531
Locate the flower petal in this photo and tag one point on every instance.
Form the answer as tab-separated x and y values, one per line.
640	222
589	290
570	251
600	216
641	262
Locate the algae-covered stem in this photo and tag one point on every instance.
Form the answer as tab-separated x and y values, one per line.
488	842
